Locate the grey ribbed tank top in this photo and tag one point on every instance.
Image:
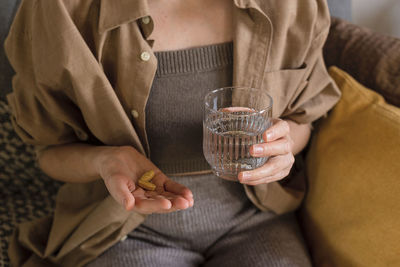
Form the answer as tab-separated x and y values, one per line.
174	110
174	128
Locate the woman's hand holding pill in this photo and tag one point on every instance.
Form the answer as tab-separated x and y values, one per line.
123	167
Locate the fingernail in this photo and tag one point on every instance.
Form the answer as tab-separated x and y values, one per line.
245	176
269	136
169	205
258	149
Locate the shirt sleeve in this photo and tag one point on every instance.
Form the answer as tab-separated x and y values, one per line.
43	114
320	93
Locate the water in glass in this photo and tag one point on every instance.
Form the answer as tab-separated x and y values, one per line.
228	138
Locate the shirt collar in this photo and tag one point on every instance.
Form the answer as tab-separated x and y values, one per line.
114	13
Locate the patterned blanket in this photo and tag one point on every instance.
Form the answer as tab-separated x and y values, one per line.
25	192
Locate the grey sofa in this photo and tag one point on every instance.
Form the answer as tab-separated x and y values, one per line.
25	192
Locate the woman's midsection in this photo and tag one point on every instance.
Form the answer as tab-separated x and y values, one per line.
218	206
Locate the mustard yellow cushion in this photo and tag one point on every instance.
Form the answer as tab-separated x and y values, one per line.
351	214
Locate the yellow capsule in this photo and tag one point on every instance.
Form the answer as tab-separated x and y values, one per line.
147	185
147	176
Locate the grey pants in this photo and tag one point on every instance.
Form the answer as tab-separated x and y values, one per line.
223	228
259	241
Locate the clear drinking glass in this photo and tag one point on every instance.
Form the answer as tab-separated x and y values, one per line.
234	119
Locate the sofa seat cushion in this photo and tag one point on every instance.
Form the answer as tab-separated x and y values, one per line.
352	211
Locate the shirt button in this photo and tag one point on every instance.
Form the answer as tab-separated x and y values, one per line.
135	114
146	20
123	238
145	56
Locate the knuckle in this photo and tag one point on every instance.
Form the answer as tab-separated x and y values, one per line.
291	159
285	172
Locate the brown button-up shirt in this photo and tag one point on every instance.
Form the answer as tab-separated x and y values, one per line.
84	70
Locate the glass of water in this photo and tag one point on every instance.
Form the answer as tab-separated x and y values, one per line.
234	119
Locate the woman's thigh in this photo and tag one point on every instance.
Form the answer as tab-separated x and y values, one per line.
136	252
263	240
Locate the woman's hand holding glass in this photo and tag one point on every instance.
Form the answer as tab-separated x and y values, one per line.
121	167
278	147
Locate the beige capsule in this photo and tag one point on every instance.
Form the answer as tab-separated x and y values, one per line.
147	185
147	176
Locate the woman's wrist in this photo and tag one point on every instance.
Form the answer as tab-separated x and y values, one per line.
76	162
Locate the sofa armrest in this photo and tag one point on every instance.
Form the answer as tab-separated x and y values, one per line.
371	58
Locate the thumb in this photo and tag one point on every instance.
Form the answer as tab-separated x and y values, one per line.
121	187
128	200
